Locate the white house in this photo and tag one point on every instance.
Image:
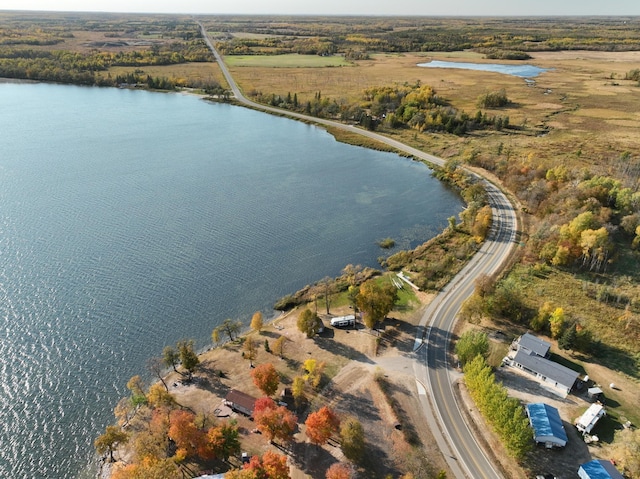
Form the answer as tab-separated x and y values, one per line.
556	375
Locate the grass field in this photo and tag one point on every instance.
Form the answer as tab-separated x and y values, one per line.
285	61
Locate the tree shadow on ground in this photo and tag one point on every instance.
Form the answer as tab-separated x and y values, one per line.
270	334
208	378
343	350
392	390
377	462
365	406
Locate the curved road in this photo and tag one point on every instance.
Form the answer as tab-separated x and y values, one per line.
434	375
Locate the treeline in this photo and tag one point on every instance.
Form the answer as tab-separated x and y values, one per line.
415	107
487	36
505	414
277	46
82	68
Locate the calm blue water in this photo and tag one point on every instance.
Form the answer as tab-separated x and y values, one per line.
521	70
129	220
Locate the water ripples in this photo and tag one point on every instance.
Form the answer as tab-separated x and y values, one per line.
121	240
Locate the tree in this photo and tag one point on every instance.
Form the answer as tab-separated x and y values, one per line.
278	346
256	321
556	323
149	468
297	390
471	344
170	357
626	451
188	356
110	440
375	300
482	223
352	439
321	425
568	338
184	432
215	336
266	378
249	350
224	440
484	285
156	365
136	386
314	371
596	247
230	327
160	397
328	286
473	309
275	422
270	466
308	323
275	465
339	471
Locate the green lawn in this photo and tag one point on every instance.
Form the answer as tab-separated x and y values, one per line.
292	60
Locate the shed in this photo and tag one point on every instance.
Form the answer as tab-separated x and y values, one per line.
534	344
547	425
594	392
241	402
588	420
599	469
552	373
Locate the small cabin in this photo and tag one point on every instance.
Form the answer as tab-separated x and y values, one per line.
240	402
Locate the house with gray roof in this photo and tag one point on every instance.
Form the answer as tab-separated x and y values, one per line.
534	344
559	377
547	425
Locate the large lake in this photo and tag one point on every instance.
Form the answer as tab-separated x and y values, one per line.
130	220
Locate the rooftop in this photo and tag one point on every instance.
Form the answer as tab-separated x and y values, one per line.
534	344
599	469
549	369
546	421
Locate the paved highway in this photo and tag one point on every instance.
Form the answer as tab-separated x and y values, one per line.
434	374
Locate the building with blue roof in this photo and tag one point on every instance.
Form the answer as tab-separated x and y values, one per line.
547	425
599	469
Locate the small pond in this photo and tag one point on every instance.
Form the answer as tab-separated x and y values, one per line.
523	71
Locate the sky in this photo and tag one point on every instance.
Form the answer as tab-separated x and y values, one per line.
340	7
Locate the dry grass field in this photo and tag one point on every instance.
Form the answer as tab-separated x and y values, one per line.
582	109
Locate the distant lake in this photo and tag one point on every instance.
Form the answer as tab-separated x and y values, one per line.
523	71
130	220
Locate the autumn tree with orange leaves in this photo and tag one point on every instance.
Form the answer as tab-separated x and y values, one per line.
270	466
339	471
266	378
321	425
275	422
